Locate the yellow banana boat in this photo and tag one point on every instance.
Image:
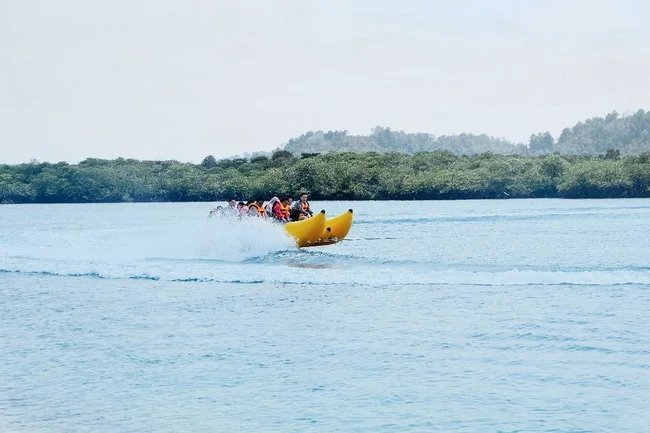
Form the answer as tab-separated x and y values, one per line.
319	230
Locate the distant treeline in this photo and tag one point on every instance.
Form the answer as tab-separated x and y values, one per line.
437	175
629	134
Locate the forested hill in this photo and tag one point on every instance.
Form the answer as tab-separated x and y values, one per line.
628	134
386	140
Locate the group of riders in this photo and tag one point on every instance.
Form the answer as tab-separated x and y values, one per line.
280	209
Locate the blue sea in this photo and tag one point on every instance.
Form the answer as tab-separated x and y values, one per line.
439	316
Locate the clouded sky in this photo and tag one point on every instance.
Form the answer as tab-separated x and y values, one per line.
172	79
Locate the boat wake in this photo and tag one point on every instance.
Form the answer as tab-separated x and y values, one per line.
320	268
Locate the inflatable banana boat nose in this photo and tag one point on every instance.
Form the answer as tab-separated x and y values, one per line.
320	230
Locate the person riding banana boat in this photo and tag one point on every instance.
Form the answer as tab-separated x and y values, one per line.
279	209
256	208
300	209
231	209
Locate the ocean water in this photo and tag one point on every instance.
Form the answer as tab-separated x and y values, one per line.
458	316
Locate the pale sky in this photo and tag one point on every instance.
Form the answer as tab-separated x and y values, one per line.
172	79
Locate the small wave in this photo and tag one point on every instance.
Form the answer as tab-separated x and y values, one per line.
132	277
144	277
303	256
55	274
214	280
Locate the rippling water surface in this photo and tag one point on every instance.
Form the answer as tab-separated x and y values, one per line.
466	316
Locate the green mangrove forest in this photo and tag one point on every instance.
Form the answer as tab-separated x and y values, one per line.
435	175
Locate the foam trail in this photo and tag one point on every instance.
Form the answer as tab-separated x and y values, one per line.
219	239
223	239
231	239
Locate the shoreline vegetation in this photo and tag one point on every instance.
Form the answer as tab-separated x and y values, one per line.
599	158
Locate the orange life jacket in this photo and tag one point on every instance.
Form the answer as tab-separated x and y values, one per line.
305	206
286	210
260	209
